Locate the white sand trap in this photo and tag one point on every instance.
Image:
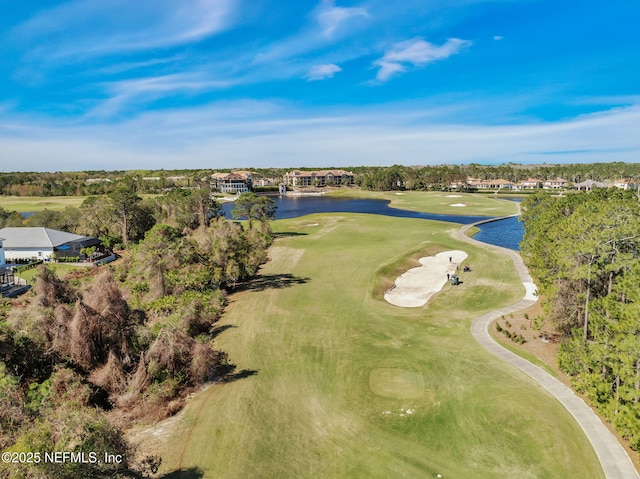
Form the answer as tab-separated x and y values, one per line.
313	224
400	194
453	196
457	204
414	288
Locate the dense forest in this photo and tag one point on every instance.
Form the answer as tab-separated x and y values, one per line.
394	177
83	356
584	252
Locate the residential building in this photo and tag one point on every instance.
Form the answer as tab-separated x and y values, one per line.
555	184
530	184
626	184
492	184
36	243
299	178
234	182
588	185
265	182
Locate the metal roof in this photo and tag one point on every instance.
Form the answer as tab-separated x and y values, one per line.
37	237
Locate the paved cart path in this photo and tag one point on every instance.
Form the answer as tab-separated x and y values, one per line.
615	461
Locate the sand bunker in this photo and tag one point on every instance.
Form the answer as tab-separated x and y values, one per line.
414	288
453	196
457	204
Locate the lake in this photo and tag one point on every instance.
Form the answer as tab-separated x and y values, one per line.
506	233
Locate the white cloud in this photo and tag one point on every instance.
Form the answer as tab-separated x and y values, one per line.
102	27
331	17
416	53
123	93
263	134
498	37
322	72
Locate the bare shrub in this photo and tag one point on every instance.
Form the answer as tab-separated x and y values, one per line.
84	329
139	381
58	333
116	329
170	353
204	363
50	289
110	377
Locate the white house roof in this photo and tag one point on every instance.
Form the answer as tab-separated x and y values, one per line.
589	183
37	237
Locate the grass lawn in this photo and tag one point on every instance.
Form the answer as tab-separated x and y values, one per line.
38	203
60	268
349	386
439	202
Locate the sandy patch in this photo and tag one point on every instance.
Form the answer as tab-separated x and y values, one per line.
400	194
457	204
453	196
313	224
414	288
531	291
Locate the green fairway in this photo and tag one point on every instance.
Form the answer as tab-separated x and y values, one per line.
39	203
439	202
347	385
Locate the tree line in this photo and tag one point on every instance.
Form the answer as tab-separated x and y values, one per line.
584	252
123	217
95	183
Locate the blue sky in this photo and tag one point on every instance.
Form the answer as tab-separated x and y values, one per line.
94	84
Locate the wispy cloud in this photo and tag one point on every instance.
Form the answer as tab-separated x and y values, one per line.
124	93
415	53
102	27
322	72
330	17
264	134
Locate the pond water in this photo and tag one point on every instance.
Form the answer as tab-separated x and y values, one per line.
506	233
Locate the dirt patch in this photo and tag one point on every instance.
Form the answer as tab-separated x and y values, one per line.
541	340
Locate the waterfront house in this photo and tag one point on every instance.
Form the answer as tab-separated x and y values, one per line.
234	182
555	184
299	178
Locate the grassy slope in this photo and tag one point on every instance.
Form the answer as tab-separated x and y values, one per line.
439	202
337	366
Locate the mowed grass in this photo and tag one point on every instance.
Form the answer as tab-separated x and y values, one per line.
61	270
38	203
439	202
349	386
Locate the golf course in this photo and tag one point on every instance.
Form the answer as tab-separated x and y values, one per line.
334	382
